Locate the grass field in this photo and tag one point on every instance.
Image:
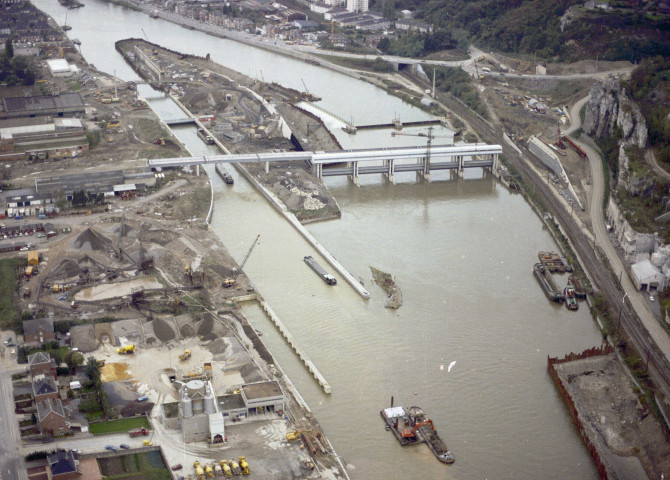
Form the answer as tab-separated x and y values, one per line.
116	426
142	466
9	315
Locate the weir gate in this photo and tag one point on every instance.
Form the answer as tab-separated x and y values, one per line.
353	163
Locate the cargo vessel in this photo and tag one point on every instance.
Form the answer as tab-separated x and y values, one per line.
325	276
412	427
223	173
204	137
547	282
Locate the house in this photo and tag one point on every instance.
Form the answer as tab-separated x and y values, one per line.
51	417
646	276
41	363
40	330
408	25
63	466
44	388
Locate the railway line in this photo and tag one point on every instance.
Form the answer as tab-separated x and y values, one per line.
605	280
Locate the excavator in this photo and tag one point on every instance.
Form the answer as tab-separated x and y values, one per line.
293	436
411	433
128	349
231	281
186	355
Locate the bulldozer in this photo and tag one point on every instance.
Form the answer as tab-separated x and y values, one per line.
186	355
126	350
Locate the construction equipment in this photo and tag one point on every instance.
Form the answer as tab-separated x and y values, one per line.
147	443
209	471
159	141
186	355
293	436
138	432
227	472
235	467
218	471
244	466
307	463
411	433
199	472
230	281
127	350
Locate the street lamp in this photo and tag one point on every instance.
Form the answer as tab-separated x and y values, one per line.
623	299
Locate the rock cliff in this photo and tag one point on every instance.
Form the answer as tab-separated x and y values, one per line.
608	108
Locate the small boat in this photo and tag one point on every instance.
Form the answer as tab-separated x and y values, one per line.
570	298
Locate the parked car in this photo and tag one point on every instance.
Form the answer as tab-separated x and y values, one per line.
177	467
143	398
62	298
124	446
112	448
40	235
651	297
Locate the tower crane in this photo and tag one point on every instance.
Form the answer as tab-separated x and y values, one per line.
230	281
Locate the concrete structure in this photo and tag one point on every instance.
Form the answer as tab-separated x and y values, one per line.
262	397
199	413
646	276
63	466
547	157
44	387
58	67
51	417
357	5
40	330
41	363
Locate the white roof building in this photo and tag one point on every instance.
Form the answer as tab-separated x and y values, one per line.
58	67
648	277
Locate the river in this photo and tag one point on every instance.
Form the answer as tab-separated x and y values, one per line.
461	251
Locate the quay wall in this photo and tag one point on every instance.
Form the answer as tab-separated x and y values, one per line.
570	403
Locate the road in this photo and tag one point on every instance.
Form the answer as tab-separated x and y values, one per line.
11	461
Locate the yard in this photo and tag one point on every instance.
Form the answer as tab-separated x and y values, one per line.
117	426
148	466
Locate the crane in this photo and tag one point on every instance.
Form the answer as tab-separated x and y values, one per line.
230	281
304	85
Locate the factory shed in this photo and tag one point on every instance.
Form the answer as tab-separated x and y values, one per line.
262	397
648	277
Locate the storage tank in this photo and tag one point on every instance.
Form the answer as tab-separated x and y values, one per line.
209	406
658	259
187	407
195	386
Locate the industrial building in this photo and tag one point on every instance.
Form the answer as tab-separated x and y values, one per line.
199	413
58	67
66	104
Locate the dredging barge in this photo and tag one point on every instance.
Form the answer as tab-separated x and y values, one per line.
411	427
325	276
547	282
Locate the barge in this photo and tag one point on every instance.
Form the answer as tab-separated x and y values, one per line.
411	427
223	173
547	282
325	276
205	137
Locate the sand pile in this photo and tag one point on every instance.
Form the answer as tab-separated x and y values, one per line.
89	239
163	330
113	372
65	269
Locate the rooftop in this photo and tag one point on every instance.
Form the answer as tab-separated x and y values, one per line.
62	462
32	327
262	390
49	405
39	358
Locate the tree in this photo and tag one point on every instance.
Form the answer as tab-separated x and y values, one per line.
57	355
9	48
384	44
73	360
92	369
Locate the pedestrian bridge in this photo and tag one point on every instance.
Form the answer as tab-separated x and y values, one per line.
386	161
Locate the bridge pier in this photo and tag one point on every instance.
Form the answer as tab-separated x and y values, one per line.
459	158
267	167
390	174
426	169
354	177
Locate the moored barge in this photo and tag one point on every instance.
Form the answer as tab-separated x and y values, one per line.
325	276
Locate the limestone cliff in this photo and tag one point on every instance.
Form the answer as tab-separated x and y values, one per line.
608	108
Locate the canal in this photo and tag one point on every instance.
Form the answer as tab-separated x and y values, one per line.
461	251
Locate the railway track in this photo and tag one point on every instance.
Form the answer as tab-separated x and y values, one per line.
604	279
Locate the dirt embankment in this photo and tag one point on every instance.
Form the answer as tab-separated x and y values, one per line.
387	282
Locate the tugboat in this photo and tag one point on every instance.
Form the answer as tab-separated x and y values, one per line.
570	298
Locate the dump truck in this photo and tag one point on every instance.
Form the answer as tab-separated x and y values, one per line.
227	472
235	467
244	466
199	472
186	355
126	350
209	471
218	471
138	432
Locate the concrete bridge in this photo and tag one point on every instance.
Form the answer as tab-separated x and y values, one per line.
385	161
180	121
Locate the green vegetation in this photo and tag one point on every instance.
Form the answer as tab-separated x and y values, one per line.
96	405
136	465
118	426
93	139
16	69
9	315
533	27
457	82
650	88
